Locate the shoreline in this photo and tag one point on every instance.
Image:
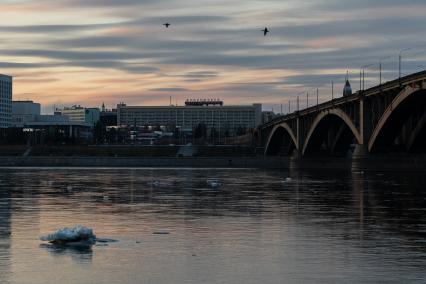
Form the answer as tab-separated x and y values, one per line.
374	163
146	162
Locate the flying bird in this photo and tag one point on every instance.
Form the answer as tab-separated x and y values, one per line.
265	31
166	24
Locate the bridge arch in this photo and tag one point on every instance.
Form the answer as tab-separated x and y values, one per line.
417	134
393	117
277	136
320	118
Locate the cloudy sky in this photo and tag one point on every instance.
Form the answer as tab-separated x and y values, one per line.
64	52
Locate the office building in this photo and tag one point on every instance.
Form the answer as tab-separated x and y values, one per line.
213	114
26	115
24	112
5	101
82	115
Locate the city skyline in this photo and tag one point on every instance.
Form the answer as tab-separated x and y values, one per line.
89	52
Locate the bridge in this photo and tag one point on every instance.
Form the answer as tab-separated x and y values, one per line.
390	117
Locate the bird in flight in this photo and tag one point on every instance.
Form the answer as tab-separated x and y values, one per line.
265	31
166	24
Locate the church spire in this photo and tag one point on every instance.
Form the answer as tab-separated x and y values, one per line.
347	90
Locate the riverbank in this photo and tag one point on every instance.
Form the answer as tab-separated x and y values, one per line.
372	163
157	162
193	156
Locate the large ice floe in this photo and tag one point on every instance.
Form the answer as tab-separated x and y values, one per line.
78	234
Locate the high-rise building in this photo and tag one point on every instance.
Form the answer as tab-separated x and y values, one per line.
5	101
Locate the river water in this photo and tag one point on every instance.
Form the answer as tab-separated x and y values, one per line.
257	227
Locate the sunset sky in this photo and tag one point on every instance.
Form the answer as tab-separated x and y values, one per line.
65	52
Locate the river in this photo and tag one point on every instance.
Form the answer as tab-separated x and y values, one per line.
259	226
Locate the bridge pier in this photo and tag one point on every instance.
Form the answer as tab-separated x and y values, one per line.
360	151
296	155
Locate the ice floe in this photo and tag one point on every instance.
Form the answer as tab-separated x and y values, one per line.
78	235
287	180
214	183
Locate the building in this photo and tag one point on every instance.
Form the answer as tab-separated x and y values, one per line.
24	112
347	90
26	115
212	114
108	117
82	115
5	101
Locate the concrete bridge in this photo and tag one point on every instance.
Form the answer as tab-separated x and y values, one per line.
387	118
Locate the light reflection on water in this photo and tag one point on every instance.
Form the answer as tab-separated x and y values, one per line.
257	227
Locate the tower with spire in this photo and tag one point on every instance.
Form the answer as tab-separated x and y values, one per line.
347	90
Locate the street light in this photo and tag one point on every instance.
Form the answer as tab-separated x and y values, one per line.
380	68
400	61
307	99
297	103
362	76
301	93
317	95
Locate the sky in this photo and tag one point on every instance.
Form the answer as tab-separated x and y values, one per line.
89	52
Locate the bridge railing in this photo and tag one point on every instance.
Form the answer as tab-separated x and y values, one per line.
338	101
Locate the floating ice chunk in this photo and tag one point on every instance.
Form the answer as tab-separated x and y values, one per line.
157	183
286	180
69	235
214	183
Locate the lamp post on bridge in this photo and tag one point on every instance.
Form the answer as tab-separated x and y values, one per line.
307	99
400	62
297	103
380	68
317	95
298	95
362	76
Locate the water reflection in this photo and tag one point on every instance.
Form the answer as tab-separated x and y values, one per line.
79	253
5	230
343	226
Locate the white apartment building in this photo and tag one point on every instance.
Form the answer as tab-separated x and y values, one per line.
5	101
82	115
221	118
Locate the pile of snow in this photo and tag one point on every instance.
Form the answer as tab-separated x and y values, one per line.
68	235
